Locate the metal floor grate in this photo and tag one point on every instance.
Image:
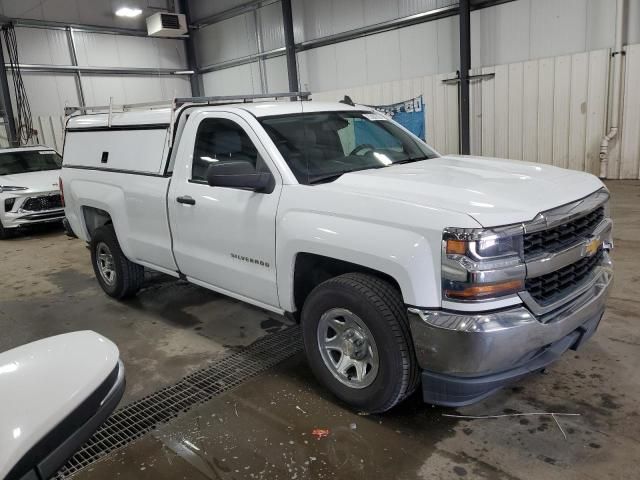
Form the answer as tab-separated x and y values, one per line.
138	418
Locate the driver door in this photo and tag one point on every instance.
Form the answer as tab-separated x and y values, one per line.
224	238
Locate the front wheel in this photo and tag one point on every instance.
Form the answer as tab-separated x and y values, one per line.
118	277
358	343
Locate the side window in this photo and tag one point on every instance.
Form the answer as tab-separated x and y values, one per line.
221	140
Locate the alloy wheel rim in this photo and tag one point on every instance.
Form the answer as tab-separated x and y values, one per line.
105	263
348	348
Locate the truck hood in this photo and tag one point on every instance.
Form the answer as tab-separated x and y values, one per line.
492	191
44	181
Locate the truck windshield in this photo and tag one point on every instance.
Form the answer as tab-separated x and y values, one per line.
27	161
320	147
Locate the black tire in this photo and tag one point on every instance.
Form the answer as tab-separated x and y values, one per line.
379	305
128	276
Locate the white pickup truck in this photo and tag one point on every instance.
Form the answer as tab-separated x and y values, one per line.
404	267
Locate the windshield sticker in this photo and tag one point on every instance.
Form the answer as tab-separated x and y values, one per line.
375	117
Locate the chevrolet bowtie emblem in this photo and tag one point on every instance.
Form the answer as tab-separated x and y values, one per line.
592	247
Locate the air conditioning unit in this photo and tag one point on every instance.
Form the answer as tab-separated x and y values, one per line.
166	25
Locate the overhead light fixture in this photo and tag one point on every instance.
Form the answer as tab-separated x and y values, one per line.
128	12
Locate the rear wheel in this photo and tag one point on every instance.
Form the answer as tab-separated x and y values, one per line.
118	277
358	342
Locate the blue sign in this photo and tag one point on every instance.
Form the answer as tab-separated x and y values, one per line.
409	114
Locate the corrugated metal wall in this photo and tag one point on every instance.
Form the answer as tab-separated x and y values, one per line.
551	110
49	93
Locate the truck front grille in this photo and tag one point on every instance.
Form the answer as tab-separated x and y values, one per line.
550	287
563	236
44	202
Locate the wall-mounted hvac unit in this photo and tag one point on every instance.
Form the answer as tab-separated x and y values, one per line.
166	25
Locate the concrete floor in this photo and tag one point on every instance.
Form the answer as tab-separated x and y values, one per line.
263	428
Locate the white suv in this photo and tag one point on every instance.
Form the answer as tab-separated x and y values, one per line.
29	190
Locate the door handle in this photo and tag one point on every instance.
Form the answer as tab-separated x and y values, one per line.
186	199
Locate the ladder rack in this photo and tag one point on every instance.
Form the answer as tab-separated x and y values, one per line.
179	102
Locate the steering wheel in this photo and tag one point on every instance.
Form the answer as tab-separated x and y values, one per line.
359	148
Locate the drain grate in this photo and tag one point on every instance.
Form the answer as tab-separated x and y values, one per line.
138	418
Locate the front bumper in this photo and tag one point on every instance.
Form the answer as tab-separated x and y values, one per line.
23	219
466	357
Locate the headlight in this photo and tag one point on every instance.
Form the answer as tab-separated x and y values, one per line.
8	188
482	264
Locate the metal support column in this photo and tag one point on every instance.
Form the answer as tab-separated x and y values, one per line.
74	61
289	42
197	85
7	107
465	66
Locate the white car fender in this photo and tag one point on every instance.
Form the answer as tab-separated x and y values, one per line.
42	382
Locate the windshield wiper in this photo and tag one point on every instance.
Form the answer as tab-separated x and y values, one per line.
410	160
326	178
330	177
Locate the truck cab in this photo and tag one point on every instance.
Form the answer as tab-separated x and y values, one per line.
404	267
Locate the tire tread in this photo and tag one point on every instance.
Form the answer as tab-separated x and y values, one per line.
388	301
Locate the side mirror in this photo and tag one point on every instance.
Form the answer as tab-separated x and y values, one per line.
56	393
239	174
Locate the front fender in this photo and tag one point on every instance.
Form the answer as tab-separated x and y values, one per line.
404	255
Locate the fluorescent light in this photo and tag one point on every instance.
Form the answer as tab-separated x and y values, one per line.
128	12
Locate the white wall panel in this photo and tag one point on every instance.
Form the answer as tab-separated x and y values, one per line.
530	111
132	88
270	18
233	81
37	45
351	62
383	59
105	50
276	72
630	134
348	15
500	34
488	114
524	30
561	99
227	40
501	111
557	27
312	19
578	110
549	111
377	11
419	50
317	68
200	9
49	93
515	97
448	44
546	77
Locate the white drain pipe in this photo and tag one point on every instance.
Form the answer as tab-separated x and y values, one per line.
617	91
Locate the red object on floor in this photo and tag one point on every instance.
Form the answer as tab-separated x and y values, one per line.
320	433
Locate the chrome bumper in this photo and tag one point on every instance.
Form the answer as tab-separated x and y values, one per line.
475	345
